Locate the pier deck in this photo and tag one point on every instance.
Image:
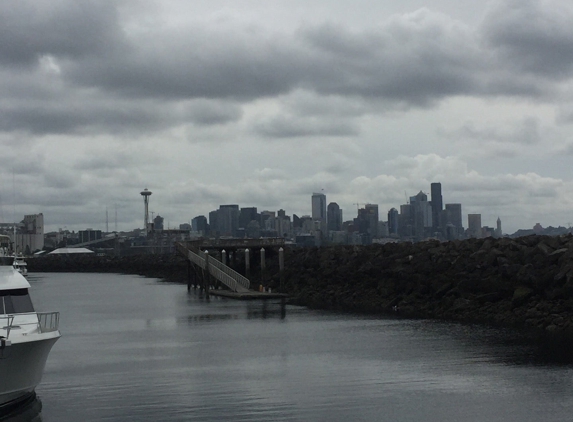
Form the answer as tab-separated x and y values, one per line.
251	295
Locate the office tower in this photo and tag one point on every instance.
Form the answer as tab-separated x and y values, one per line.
406	220
283	225
214	223
498	232
334	217
361	222
373	218
474	225
228	220
319	210
199	225
422	212
158	223
393	221
436	192
246	215
454	215
268	220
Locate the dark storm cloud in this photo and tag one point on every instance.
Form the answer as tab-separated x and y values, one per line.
194	63
411	59
84	67
85	115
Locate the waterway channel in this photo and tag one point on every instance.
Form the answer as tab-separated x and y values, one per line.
137	349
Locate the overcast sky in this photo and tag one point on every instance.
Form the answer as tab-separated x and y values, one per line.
261	103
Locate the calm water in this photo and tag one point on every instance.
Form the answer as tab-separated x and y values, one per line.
134	349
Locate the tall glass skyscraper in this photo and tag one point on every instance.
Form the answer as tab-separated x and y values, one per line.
437	204
319	209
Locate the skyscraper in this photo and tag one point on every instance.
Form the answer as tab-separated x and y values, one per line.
474	225
437	205
373	218
393	221
454	215
334	217
228	220
199	224
246	215
319	210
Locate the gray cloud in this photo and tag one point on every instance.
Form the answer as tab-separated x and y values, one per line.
531	36
525	132
100	99
66	29
87	73
289	127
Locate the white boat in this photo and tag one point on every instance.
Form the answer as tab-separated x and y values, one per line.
26	337
20	265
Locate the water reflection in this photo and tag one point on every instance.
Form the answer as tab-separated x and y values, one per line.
255	309
28	411
266	309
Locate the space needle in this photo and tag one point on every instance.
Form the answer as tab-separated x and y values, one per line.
146	194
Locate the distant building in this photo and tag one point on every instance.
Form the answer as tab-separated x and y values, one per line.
436	192
199	224
246	215
228	220
89	235
214	223
334	217
319	210
283	225
158	223
30	236
268	220
454	215
393	217
373	219
422	211
498	232
406	221
474	225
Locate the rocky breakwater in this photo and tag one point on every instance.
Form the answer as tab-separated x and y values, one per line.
523	282
170	268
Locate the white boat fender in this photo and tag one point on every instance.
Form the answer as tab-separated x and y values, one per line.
4	343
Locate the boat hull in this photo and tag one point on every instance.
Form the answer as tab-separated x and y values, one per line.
22	365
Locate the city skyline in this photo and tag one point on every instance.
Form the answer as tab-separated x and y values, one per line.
207	103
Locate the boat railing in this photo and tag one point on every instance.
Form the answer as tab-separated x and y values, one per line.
6	322
48	321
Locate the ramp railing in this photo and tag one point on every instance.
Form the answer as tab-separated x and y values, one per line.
226	275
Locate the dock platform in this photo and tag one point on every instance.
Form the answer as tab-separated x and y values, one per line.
251	295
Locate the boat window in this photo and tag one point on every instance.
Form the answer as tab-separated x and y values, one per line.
15	301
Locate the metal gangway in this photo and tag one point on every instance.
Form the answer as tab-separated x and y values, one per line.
223	273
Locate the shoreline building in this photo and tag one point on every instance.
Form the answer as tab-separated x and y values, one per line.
30	235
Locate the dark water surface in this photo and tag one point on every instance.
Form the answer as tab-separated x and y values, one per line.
134	349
